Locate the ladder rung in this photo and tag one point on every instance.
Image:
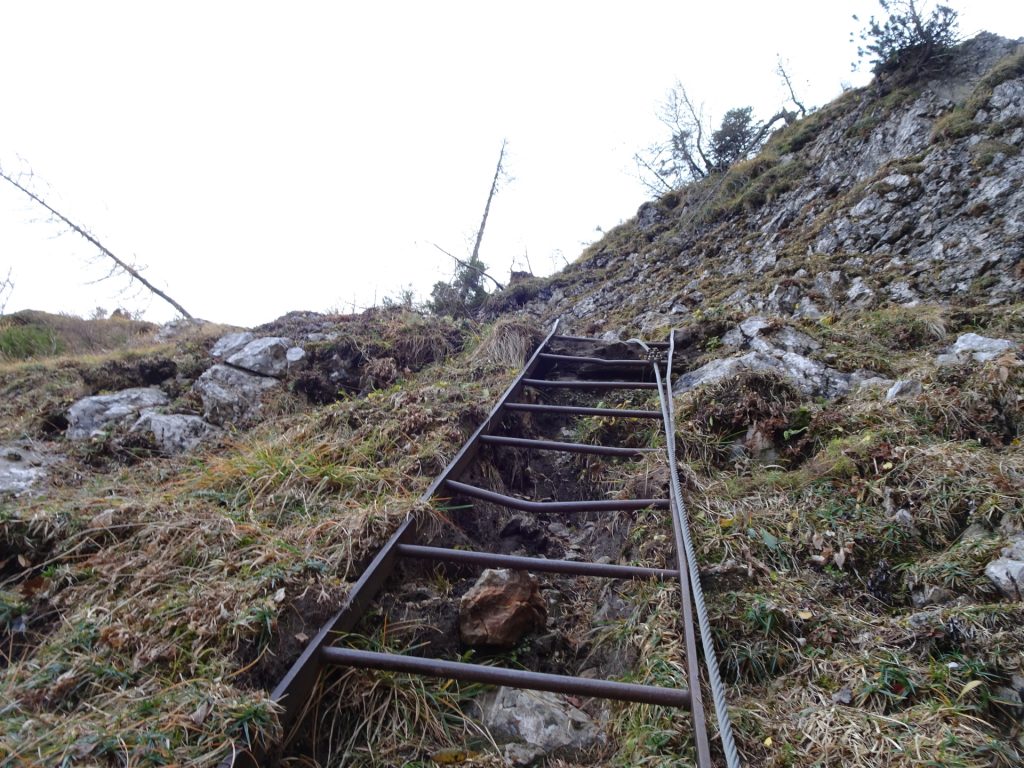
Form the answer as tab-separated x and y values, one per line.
574	410
554	445
589	384
559	337
539	564
515	678
595	360
601	505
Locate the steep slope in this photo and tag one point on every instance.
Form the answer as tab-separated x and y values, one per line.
850	412
881	197
856	472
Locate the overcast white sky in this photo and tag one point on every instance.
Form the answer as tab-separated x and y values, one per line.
263	157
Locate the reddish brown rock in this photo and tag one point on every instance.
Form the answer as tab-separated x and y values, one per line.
500	608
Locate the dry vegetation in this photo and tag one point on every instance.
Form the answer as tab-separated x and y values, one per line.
147	608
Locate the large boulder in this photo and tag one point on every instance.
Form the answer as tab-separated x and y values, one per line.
267	356
94	415
175	433
539	719
230	343
500	608
232	396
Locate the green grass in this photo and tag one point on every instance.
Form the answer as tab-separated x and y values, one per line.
21	342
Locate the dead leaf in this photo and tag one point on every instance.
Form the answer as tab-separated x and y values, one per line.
968	688
279	595
839	558
201	713
805	615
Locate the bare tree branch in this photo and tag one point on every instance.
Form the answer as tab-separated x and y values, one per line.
84	233
766	127
655	182
468	265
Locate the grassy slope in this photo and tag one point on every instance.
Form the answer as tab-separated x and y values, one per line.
162	596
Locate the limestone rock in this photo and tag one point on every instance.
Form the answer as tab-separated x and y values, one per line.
522	755
267	356
859	292
176	432
809	376
231	396
971	346
903	389
540	719
295	359
500	608
22	467
1007	572
230	343
92	415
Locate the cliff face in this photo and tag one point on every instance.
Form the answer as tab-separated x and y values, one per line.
885	196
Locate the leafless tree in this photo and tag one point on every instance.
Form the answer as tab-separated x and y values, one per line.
23	182
466	292
693	150
6	287
683	157
783	74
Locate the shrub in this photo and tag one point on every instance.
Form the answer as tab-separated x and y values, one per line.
908	42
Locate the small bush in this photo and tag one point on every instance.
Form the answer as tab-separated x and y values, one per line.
907	42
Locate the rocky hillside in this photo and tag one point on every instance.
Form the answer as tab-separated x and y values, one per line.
886	196
181	512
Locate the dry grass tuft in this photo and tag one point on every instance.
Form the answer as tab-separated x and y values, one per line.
507	343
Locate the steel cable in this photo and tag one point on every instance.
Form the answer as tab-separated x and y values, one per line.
732	757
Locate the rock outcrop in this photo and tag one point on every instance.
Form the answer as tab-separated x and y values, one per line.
869	201
267	356
780	350
232	396
92	416
175	433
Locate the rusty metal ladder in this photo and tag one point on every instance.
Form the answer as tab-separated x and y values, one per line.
297	686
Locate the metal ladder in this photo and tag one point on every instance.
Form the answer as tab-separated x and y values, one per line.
298	684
